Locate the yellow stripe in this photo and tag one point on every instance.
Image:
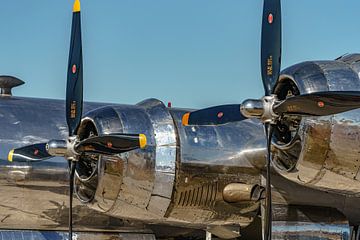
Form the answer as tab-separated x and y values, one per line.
142	140
76	7
10	156
185	119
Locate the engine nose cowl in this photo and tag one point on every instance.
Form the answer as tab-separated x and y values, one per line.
136	184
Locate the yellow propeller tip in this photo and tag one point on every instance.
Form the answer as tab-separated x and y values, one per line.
76	7
10	155
185	119
142	140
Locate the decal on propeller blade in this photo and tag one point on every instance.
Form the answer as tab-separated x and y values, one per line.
269	66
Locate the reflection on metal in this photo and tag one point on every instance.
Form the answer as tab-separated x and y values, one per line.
239	192
252	108
223	232
51	235
137	183
324	157
313	231
35	195
140	184
57	147
299	222
210	158
208	235
175	180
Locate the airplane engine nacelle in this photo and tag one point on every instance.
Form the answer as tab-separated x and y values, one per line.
138	183
199	175
320	152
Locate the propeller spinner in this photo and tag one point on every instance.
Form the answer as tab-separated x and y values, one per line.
72	148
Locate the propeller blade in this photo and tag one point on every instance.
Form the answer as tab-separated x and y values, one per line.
319	104
111	144
268	203
33	153
214	115
270	44
74	88
71	186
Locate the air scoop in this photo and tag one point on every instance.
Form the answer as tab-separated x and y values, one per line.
7	83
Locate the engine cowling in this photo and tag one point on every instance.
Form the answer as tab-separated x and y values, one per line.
184	175
138	183
320	152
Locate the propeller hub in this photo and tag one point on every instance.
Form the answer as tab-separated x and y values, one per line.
64	148
56	147
260	108
252	108
269	116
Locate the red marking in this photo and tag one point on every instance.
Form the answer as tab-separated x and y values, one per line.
36	152
220	114
109	144
270	18
321	104
169	104
73	69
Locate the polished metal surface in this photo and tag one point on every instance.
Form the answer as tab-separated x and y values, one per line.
240	192
56	235
209	158
180	178
35	195
56	147
139	183
252	108
316	223
261	109
325	156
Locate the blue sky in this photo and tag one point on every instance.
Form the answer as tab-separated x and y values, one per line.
194	53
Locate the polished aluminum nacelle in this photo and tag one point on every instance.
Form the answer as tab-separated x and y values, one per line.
320	152
181	174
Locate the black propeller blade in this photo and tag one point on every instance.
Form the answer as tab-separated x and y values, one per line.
270	44
270	70
71	193
112	144
214	115
74	93
35	152
74	88
319	104
268	204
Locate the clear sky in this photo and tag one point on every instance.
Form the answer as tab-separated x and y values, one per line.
194	53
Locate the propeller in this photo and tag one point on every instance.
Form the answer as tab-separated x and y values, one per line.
270	71
269	109
74	95
111	144
319	104
34	152
214	115
73	147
